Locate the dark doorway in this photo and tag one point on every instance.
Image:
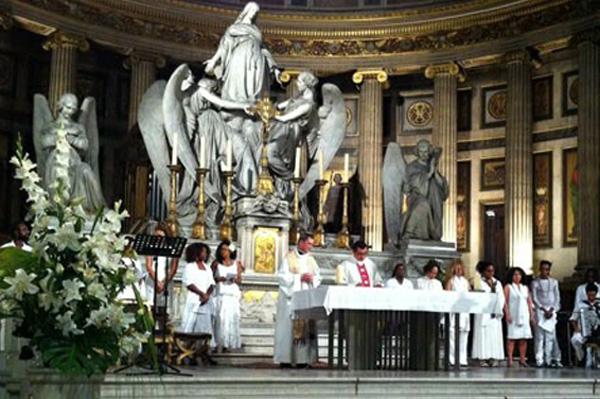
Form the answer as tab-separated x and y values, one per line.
494	248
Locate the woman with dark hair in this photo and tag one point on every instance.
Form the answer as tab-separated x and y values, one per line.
430	281
487	331
518	310
398	280
228	275
198	279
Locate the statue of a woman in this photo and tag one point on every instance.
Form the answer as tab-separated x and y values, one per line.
242	64
82	135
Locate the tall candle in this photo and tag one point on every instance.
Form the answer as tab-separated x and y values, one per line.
229	156
297	163
320	164
346	167
202	152
174	152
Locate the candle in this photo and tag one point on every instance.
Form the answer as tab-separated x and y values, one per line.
320	164
346	167
202	152
229	166
297	163
174	152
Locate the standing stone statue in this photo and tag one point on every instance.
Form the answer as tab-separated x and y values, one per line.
81	134
425	188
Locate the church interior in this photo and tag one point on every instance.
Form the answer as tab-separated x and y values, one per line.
507	92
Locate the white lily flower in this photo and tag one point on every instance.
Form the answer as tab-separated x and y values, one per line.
21	284
97	290
67	325
71	290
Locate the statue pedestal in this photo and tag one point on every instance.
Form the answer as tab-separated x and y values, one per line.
263	225
418	252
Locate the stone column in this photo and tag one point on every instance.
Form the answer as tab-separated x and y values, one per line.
143	73
518	193
370	152
63	69
588	150
290	76
445	80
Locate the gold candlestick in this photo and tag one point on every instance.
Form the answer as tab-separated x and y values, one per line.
319	233
343	236
198	228
226	229
295	229
172	217
266	111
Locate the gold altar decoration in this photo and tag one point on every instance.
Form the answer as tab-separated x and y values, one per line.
198	228
343	236
226	228
319	233
171	219
295	228
265	247
266	111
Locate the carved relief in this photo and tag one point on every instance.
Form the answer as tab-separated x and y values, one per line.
419	113
497	105
265	246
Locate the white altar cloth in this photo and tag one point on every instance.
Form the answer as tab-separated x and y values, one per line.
321	301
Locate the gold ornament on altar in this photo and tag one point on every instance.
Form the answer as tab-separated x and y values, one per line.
266	111
265	242
171	219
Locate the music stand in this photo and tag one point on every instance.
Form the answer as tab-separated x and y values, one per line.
171	248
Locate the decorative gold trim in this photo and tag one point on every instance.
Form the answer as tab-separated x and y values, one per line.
289	74
378	74
450	68
66	39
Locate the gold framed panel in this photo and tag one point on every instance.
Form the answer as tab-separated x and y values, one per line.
463	206
493	174
570	197
266	240
542	200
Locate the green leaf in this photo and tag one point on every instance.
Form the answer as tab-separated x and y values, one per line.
13	258
145	318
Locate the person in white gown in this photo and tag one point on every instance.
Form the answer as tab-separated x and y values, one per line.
295	338
157	275
359	270
455	281
488	345
585	319
591	277
228	275
518	310
398	281
430	282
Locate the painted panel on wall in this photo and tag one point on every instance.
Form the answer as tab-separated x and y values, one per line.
570	197
542	199
463	201
542	98
570	93
493	173
463	117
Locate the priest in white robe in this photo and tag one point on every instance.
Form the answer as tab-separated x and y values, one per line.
358	270
296	340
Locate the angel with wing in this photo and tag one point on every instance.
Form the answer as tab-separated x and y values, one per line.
81	134
425	188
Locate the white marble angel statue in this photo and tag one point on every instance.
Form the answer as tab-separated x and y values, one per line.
425	188
81	134
191	110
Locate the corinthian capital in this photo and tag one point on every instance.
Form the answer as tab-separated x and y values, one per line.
449	68
362	74
65	39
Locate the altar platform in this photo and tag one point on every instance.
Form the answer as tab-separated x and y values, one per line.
245	382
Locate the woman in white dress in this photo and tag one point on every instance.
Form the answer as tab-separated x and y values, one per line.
157	276
488	345
518	310
430	281
399	280
228	275
456	281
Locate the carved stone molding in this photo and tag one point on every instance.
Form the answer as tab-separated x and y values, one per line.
136	57
66	39
379	74
6	20
528	55
450	68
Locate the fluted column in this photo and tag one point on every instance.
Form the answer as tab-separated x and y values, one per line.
63	68
370	152
588	150
518	187
143	73
290	76
445	81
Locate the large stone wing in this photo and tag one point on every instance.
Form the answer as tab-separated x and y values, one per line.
152	127
89	120
332	129
174	117
393	178
42	116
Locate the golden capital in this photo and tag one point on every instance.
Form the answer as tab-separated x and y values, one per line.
137	57
450	68
6	20
289	74
363	74
65	39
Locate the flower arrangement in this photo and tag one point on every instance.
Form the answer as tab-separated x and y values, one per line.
62	295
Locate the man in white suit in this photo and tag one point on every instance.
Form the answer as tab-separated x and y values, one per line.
359	270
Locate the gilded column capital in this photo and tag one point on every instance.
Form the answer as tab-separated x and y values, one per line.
135	57
288	74
450	68
65	39
362	74
6	20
